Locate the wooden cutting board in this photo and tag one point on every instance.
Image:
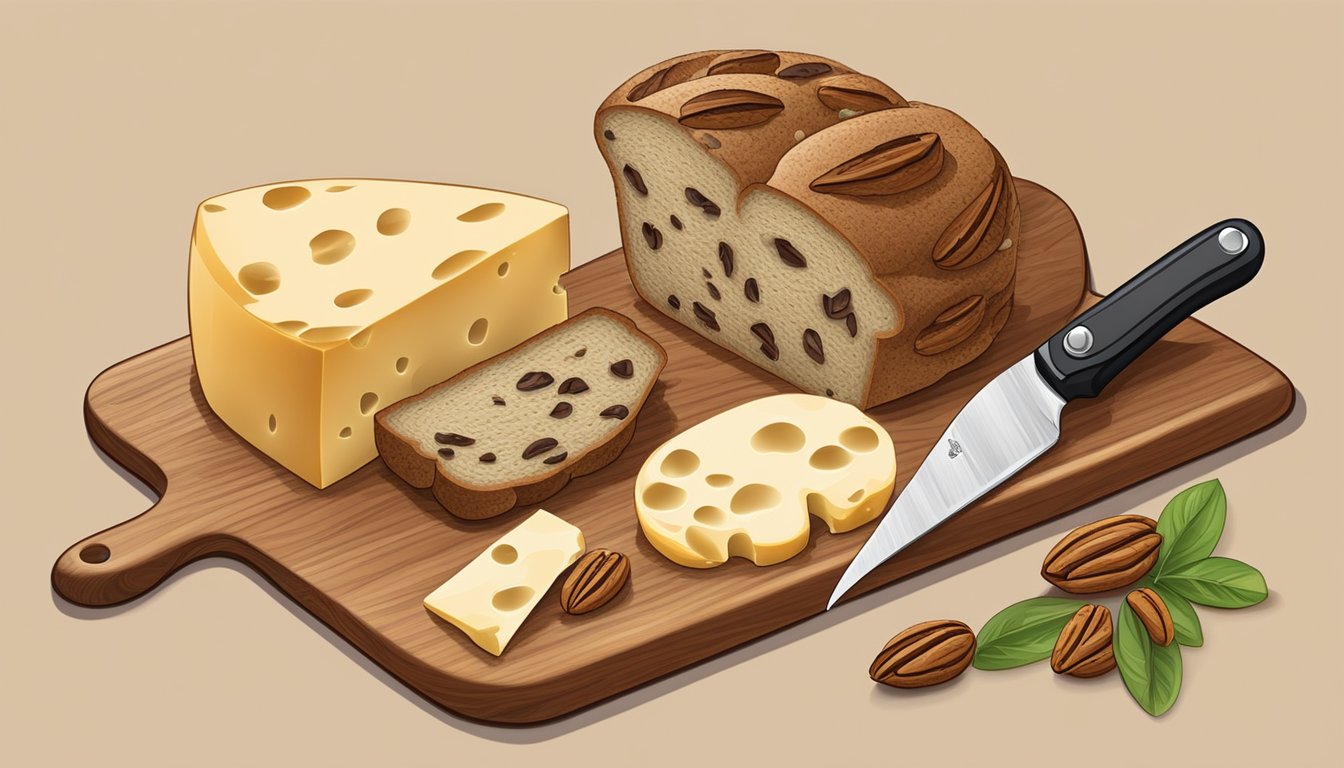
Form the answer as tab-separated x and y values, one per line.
362	554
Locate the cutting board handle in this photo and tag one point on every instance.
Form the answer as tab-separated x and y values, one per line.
129	559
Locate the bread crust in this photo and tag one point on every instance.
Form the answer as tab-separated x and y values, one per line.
404	457
897	235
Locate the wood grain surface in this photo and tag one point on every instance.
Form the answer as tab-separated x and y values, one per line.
362	554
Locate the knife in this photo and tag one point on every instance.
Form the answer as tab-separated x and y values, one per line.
1016	417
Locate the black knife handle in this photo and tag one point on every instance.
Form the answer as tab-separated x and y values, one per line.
1083	358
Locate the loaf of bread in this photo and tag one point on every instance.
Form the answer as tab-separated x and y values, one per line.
811	220
515	428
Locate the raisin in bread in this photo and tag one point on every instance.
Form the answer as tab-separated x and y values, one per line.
515	428
811	220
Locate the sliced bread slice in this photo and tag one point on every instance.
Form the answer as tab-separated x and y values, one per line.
514	429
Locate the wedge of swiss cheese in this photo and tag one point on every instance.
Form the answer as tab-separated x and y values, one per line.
493	594
315	303
744	483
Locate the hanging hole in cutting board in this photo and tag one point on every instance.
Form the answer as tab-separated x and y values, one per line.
95	554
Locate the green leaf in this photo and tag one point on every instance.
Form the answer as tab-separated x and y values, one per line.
1220	582
1023	632
1183	617
1151	673
1191	525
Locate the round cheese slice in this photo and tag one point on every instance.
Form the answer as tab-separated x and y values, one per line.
744	483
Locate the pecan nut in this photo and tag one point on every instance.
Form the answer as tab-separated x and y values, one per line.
804	71
926	654
729	108
952	327
596	578
745	63
1105	555
890	168
1084	647
959	245
1152	611
667	77
857	93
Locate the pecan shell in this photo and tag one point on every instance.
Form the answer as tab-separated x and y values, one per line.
1084	647
925	654
1105	555
1152	611
596	578
729	108
960	244
952	327
890	168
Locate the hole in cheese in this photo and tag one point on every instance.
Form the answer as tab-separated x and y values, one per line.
368	403
666	526
340	187
503	268
719	481
271	424
346	432
504	554
361	340
710	515
259	278
664	496
754	497
402	364
855	496
212	208
325	333
292	327
457	264
680	463
476	333
512	599
703	543
817	505
394	221
331	246
284	198
351	298
861	439
740	545
482	212
557	290
830	457
780	437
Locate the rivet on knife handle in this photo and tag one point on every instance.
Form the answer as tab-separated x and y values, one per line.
1090	351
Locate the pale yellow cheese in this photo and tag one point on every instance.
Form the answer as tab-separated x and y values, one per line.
313	304
743	483
493	594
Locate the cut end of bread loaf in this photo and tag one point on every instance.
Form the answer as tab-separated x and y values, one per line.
750	270
515	428
811	220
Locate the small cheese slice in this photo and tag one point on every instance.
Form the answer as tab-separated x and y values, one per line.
315	303
493	594
744	483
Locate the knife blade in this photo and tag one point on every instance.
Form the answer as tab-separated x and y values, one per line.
1016	418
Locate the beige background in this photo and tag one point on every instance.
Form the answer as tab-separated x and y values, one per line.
1151	119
